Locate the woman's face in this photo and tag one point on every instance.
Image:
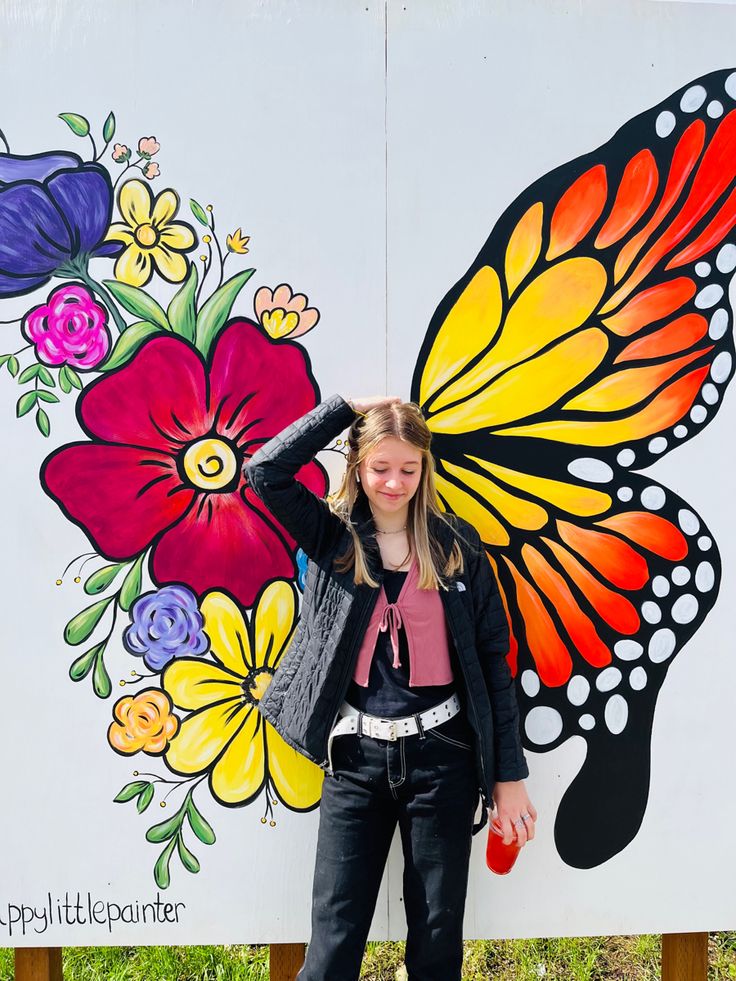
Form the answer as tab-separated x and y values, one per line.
390	475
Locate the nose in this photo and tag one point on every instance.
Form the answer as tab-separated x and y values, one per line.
393	481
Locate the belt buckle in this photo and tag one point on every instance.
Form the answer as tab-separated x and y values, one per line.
383	729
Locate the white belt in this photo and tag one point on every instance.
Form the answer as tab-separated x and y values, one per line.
390	729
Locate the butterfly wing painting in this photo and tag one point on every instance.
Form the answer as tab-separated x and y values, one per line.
590	337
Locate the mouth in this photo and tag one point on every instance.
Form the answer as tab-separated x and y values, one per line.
391	497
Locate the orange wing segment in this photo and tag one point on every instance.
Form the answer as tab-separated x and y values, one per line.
628	387
675	336
665	409
579	627
617	611
710	236
634	195
618	562
714	175
651	531
653	304
551	656
525	244
687	152
577	211
512	657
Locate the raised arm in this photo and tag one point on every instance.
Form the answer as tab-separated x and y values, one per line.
271	472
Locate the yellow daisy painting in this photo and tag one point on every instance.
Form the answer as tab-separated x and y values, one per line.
224	735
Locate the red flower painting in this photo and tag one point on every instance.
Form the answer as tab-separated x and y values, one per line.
170	433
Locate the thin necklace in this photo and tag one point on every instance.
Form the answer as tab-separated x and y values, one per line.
403	561
397	531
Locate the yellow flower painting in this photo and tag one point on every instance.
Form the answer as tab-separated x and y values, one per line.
224	735
152	239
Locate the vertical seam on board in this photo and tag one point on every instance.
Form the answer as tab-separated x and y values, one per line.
385	186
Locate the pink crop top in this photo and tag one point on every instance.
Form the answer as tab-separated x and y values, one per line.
422	616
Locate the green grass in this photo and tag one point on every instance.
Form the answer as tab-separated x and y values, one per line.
564	959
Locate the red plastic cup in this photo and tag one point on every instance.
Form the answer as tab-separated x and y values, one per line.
500	858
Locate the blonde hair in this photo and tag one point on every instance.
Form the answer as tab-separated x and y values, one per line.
403	420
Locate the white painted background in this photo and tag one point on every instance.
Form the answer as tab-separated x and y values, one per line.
278	113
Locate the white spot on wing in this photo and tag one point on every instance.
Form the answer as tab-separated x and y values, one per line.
653	497
658	444
709	393
665	123
705	577
578	689
608	679
628	650
588	468
530	683
685	608
698	413
718	324
693	98
543	725
638	678
726	258
662	645
651	612
721	367
616	714
689	522
709	296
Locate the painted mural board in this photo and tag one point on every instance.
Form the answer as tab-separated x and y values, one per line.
452	202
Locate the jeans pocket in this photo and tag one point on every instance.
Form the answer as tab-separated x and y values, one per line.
436	734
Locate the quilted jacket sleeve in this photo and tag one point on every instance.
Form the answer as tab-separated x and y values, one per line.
492	642
271	472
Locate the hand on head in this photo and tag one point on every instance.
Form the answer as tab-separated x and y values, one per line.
364	404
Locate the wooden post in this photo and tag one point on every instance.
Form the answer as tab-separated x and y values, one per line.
38	964
684	956
285	961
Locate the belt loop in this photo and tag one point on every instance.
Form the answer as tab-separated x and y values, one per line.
360	725
420	727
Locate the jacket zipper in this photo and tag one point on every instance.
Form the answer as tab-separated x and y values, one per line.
350	664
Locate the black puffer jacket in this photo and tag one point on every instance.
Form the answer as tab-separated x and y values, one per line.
310	683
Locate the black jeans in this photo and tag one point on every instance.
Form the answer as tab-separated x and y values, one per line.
429	786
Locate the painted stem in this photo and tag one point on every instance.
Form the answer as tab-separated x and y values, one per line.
105	297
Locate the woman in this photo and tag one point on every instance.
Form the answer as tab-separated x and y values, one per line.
395	683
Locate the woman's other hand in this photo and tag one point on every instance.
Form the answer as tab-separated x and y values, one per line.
515	812
365	404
